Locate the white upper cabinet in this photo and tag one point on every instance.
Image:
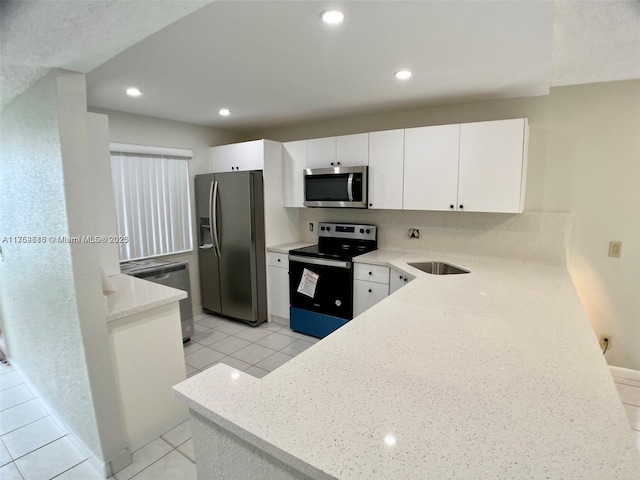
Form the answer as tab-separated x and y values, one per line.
294	161
237	156
431	168
352	150
321	152
386	151
493	166
473	167
343	151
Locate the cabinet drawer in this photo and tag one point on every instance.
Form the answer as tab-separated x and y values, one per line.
278	259
367	294
371	273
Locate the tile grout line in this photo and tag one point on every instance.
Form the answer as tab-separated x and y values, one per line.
41	446
34	421
132	477
51	478
177	450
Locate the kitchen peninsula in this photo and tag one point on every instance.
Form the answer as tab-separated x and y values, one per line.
146	346
492	374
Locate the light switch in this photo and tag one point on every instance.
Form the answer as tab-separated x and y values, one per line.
615	248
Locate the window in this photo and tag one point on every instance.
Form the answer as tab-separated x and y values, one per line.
153	207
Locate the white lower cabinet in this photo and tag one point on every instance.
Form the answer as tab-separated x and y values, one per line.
278	284
397	280
370	285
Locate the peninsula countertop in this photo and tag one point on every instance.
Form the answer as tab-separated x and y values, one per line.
285	248
492	374
135	295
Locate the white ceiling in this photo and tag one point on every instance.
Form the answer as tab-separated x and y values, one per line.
76	35
274	62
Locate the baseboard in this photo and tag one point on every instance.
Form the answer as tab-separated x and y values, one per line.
625	373
104	468
279	320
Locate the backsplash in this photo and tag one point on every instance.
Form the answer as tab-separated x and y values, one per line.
536	237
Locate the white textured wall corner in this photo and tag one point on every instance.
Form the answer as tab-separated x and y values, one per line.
52	304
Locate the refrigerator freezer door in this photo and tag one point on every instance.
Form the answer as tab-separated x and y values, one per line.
237	245
207	259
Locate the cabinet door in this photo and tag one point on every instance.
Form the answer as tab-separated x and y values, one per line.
352	150
237	157
278	281
492	167
386	169
431	168
294	161
367	294
321	152
397	280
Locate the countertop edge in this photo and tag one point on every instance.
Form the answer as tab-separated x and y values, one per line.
286	247
135	295
223	370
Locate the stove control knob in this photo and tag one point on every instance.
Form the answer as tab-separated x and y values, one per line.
322	228
338	303
368	231
328	229
362	230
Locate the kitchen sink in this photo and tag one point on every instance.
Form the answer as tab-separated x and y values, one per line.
438	268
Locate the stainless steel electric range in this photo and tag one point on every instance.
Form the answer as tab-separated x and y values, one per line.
321	277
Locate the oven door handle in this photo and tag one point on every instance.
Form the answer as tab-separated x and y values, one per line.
320	261
350	187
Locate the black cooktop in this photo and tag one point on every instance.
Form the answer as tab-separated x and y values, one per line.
344	252
341	241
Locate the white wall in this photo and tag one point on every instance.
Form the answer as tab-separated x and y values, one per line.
53	310
143	130
105	212
584	158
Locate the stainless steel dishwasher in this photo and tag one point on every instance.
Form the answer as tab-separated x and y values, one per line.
171	274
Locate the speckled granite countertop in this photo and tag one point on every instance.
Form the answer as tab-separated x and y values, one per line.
135	295
495	374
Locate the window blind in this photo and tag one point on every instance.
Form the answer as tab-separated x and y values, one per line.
152	204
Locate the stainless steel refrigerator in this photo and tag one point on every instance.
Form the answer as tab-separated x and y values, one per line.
231	252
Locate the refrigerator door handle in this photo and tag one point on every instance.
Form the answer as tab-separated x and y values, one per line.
213	217
208	246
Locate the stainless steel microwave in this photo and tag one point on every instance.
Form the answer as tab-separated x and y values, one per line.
342	187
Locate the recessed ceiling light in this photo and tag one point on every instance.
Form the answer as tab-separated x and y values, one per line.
403	75
224	112
390	440
332	17
134	92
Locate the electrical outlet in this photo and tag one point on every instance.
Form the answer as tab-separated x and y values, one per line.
311	226
605	341
414	233
615	248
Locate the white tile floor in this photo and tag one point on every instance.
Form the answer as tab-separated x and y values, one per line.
257	351
34	446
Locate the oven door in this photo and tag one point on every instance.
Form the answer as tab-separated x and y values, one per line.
333	293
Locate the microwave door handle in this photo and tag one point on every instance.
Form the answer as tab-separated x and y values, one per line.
350	187
213	218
